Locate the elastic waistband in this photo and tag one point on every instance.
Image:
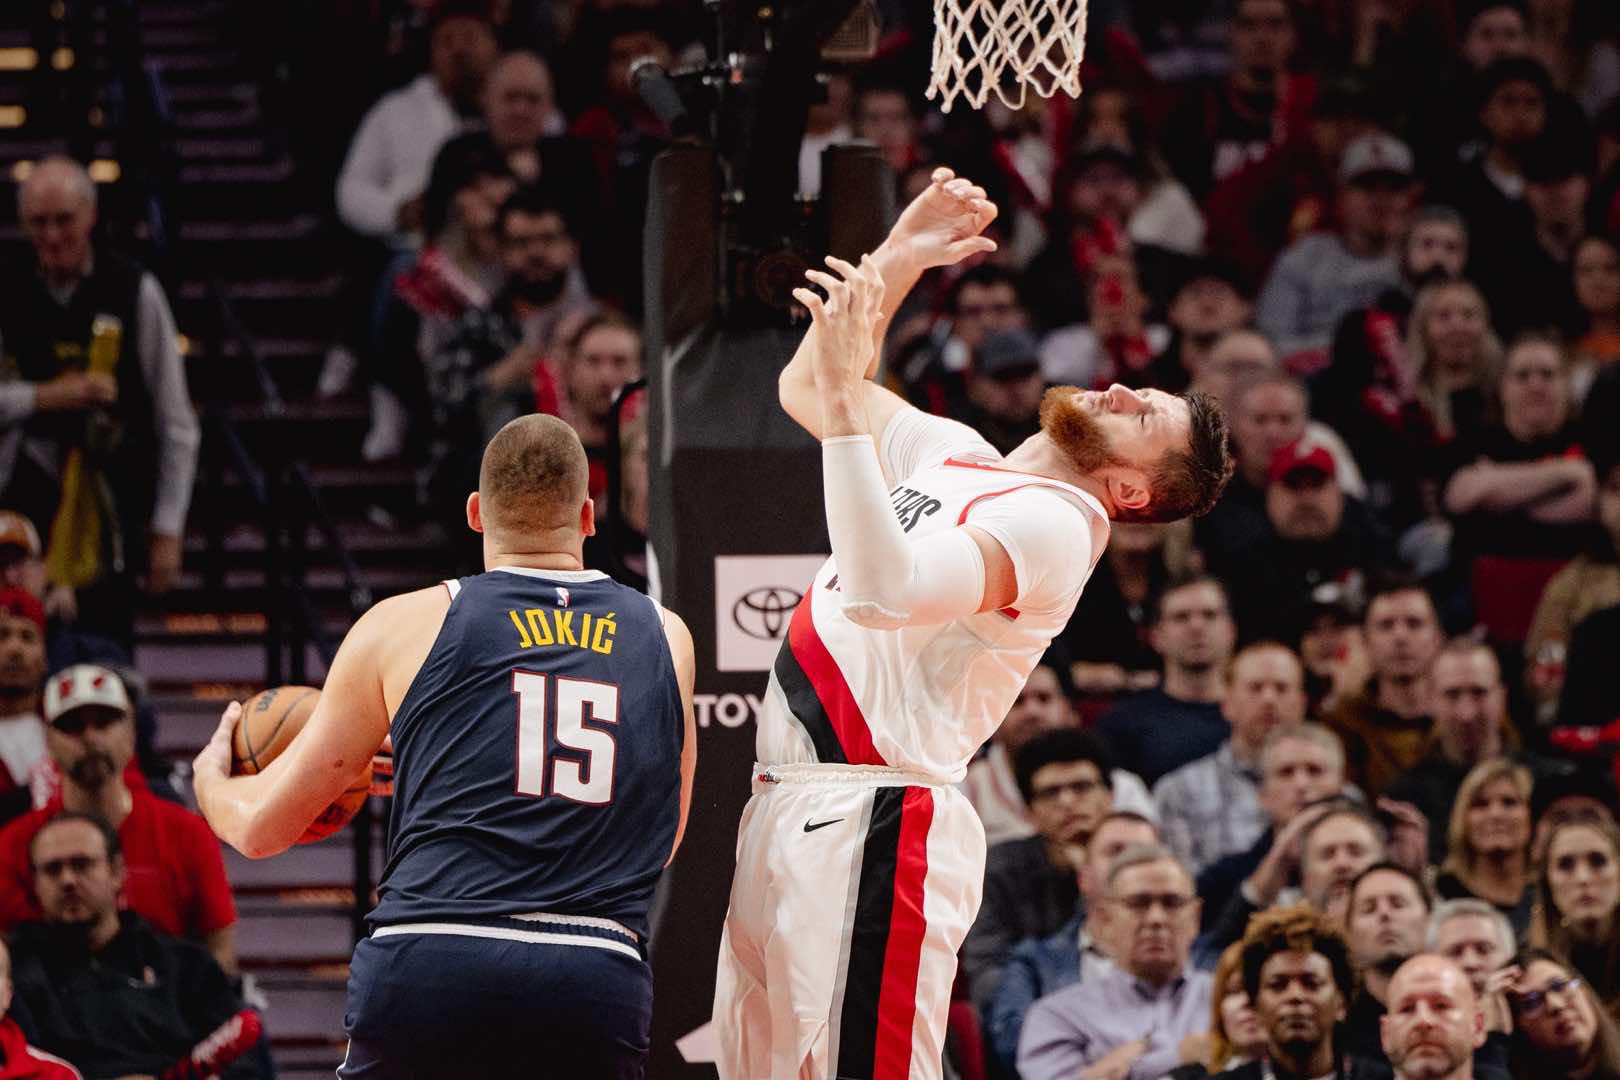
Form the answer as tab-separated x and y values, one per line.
536	928
767	777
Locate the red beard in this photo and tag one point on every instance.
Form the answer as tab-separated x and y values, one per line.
1074	430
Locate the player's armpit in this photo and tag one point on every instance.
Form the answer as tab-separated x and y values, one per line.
1000	577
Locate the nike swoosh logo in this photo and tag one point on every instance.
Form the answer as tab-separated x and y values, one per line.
821	824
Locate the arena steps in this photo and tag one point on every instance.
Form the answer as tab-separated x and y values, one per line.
246	219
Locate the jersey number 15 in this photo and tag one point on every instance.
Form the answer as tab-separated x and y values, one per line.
589	781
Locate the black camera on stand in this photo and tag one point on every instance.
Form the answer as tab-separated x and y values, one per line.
748	105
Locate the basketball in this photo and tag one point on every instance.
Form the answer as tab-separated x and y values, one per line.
270	720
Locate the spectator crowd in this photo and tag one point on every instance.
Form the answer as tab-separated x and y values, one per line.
1321	783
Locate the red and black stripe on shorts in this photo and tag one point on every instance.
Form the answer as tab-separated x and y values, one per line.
879	1006
818	696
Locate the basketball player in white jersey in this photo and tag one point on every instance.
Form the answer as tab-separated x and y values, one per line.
859	865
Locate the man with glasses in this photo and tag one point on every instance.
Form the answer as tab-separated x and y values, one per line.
107	991
176	877
1129	1020
1029	883
1037	967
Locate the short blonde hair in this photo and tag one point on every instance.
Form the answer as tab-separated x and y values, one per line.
534	476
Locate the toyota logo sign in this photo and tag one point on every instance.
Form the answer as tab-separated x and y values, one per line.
754	600
764	613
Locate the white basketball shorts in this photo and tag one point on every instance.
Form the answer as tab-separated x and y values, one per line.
854	889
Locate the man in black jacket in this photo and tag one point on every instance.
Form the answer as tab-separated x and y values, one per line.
106	991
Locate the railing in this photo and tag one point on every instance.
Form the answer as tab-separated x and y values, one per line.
283	499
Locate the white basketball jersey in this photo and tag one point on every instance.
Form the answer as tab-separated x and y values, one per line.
925	698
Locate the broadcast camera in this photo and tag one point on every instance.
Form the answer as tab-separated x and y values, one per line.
748	102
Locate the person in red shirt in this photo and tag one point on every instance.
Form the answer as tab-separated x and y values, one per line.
175	876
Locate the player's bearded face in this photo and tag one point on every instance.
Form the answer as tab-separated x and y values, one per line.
1075	429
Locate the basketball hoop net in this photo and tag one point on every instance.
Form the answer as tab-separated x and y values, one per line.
1007	47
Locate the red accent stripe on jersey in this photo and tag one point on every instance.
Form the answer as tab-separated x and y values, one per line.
897	1003
843	712
958	463
961	519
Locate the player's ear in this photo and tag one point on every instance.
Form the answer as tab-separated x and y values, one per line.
587	518
1128	489
475	514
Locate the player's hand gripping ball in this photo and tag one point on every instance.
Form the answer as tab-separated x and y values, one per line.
270	720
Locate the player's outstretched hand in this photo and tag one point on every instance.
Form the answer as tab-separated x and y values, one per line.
213	762
845	321
941	227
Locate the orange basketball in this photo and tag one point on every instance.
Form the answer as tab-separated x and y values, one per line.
271	719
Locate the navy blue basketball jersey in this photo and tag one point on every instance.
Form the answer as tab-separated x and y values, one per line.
536	755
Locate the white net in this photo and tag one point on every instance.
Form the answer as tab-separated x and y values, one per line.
1006	47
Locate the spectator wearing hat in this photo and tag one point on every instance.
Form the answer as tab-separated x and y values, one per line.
1222	125
1371	392
1328	642
1004	387
1318	535
1268	409
22	565
1321	277
176	878
1290	192
22	681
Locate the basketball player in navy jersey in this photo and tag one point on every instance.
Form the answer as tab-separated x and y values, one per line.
541	718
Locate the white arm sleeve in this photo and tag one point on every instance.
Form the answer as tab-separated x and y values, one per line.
914	440
887	580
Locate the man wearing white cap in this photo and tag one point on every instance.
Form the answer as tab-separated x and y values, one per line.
175	876
1320	277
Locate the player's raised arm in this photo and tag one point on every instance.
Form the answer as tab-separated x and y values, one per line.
940	227
886	580
265	814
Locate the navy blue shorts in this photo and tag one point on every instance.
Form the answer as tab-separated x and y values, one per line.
497	1000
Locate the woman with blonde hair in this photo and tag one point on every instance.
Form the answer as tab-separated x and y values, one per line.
1578	882
1235	1035
1489	841
1453	354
